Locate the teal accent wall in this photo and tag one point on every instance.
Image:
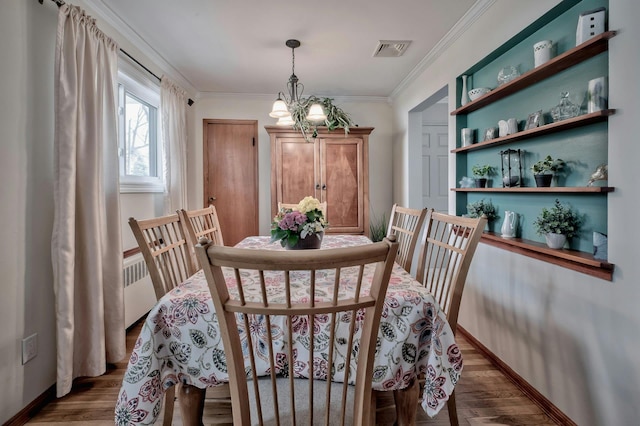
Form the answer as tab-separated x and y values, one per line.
583	148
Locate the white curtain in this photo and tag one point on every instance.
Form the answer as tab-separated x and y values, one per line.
86	243
173	102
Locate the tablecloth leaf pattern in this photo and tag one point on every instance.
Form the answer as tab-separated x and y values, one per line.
180	342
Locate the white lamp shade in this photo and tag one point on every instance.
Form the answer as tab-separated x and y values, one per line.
279	109
316	113
287	120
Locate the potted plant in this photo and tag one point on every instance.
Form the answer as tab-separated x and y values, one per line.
378	228
544	170
480	208
482	172
301	227
557	224
336	117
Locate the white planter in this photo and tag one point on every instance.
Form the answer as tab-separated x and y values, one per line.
555	241
542	52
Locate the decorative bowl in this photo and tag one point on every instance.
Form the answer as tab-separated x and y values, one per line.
507	74
477	92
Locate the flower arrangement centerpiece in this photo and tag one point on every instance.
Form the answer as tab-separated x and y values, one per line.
303	223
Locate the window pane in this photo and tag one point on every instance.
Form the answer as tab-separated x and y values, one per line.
140	149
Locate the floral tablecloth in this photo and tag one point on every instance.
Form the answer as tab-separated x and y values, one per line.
180	342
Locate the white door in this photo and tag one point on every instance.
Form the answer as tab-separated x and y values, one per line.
435	167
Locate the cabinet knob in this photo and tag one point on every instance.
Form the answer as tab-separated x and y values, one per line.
324	187
212	199
317	186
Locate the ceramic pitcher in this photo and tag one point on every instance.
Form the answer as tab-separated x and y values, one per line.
509	224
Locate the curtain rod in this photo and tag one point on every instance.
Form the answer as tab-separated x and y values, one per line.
61	3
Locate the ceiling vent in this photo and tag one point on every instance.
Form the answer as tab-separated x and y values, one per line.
391	48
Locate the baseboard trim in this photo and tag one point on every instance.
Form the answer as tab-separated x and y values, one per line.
539	399
28	412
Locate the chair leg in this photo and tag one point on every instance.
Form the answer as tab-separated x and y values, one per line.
169	402
451	407
191	401
373	407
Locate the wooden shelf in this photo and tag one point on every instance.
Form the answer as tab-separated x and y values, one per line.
571	123
586	50
551	189
570	259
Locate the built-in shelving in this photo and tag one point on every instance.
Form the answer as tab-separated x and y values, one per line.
550	189
586	50
571	123
571	259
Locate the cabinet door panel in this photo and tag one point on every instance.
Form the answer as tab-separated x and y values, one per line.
297	171
341	176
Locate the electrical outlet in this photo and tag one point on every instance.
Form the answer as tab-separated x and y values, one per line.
29	348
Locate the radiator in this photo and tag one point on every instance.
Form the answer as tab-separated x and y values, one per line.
134	269
139	296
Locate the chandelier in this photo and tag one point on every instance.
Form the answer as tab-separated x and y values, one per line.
283	106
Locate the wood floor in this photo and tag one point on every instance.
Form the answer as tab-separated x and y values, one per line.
484	396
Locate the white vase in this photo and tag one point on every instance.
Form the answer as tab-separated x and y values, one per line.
555	241
464	98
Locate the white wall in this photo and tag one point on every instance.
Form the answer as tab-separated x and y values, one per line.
573	337
365	113
26	204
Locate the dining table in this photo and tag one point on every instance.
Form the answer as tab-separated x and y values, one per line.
181	342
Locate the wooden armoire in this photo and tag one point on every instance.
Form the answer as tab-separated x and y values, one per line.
333	167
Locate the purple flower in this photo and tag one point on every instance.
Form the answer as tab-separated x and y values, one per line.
292	220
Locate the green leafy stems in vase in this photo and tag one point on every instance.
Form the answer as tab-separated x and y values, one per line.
558	220
300	227
480	208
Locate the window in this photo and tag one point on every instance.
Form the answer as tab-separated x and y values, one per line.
140	146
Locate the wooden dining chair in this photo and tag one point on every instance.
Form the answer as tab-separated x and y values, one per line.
164	247
406	225
282	394
166	253
201	223
446	250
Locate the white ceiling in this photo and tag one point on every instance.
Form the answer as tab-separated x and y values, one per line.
238	46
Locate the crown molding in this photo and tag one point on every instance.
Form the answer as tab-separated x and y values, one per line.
104	12
271	97
477	10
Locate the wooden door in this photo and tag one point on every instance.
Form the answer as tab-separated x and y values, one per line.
231	176
296	165
435	167
341	180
